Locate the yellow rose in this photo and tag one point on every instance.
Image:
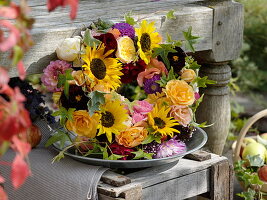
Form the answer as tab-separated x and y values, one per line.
180	93
83	124
188	75
132	136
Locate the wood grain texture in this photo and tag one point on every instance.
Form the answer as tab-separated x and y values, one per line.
179	188
115	179
199	156
52	28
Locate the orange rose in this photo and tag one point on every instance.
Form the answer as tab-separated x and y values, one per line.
132	136
188	75
83	124
180	93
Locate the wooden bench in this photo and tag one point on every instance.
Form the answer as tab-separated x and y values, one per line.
211	178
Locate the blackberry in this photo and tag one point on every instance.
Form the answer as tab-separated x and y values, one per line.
186	132
151	148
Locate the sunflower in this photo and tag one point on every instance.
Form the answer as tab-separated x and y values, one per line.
147	40
158	98
101	69
160	123
113	116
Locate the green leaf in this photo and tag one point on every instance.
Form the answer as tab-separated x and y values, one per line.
129	19
60	136
63	81
202	125
255	161
89	40
174	43
190	40
64	114
141	154
150	138
96	99
255	180
165	79
197	103
58	157
170	15
114	157
163	51
190	63
248	195
203	81
18	55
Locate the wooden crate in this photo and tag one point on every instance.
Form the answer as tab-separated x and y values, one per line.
211	178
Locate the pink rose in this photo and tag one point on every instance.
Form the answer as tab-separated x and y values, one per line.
142	107
137	117
183	114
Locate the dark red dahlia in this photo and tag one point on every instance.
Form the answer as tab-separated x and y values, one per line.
109	40
122	150
177	59
131	70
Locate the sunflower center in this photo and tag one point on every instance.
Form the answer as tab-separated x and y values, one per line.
159	122
145	42
107	119
98	68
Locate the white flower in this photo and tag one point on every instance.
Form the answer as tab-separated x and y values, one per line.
68	50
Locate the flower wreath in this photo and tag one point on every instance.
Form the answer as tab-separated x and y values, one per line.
108	62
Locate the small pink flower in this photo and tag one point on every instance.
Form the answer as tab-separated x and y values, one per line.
13	36
197	96
51	73
137	117
142	107
154	67
183	114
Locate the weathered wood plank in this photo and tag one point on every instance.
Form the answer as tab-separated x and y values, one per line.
115	179
179	188
156	175
199	156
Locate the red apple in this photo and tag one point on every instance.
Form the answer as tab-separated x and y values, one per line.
263	173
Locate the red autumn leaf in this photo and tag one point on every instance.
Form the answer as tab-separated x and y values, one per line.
19	171
4	79
21	69
23	148
7	43
3	195
53	4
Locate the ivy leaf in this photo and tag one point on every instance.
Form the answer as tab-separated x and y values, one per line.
64	114
59	136
202	125
255	180
141	154
163	51
58	157
203	81
255	161
196	104
63	81
114	157
248	195
174	43
190	63
96	99
104	151
190	40
170	15
89	40
150	138
129	19
165	79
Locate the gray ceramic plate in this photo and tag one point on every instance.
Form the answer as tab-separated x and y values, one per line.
197	141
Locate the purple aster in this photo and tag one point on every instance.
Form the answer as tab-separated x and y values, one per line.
51	73
150	85
170	148
125	29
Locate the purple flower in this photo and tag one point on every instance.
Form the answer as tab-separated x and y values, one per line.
170	148
51	73
150	85
125	29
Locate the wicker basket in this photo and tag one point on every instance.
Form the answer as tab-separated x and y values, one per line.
243	133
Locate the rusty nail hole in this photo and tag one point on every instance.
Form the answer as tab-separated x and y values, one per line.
218	42
220	23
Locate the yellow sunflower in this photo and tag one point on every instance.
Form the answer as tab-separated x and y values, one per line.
113	116
159	98
158	119
102	70
147	40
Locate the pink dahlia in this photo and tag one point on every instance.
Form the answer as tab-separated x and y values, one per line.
142	107
170	148
51	73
